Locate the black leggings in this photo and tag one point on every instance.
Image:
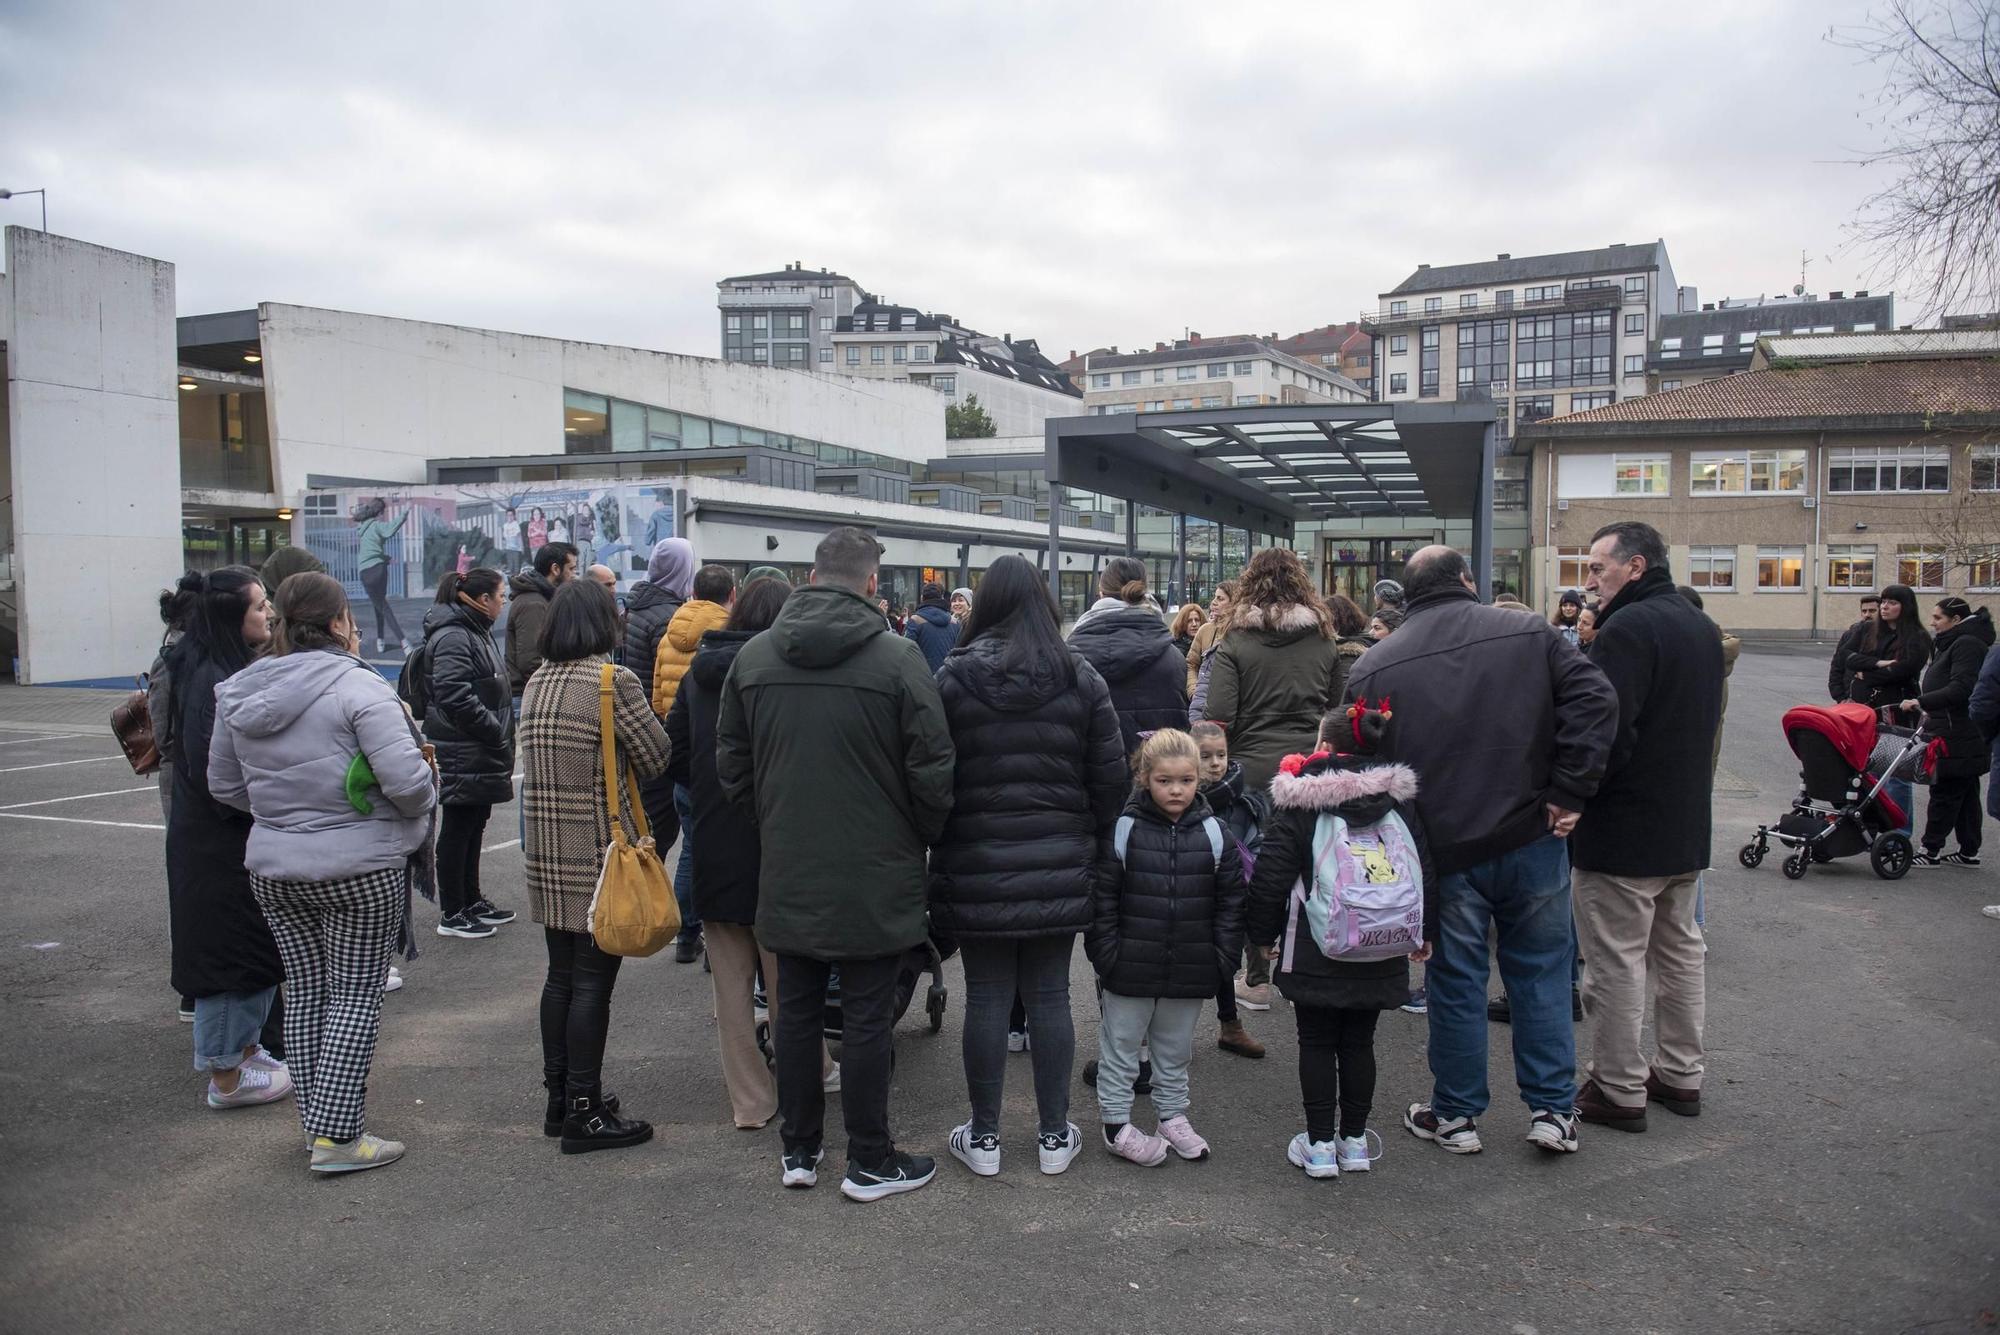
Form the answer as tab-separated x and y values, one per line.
1336	1069
576	1012
375	582
460	830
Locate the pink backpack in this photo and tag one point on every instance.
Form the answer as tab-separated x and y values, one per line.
1365	900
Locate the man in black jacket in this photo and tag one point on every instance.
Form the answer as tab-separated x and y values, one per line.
1645	840
1508	728
1839	678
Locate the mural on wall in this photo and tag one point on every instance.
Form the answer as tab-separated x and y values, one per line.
391	546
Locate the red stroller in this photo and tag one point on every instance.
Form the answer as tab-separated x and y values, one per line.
1843	808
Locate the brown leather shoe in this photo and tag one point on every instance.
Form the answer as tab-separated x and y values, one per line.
1686	1102
1235	1038
1593	1106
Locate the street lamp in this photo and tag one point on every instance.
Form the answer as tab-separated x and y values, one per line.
11	194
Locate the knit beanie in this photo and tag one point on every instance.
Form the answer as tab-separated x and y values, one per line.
765	572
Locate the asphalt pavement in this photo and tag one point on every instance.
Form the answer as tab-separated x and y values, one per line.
1841	1178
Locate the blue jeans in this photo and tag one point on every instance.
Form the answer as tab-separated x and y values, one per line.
1525	895
684	870
227	1023
1904	793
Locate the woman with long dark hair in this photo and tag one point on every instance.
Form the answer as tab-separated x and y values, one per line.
1039	782
1944	698
569	827
224	957
316	746
469	721
1125	638
1892	652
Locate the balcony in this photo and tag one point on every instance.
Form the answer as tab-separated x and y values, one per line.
784	295
1576	298
215	465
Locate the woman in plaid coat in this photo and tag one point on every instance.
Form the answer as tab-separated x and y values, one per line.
568	828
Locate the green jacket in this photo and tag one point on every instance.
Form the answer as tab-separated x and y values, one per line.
831	732
375	537
1271	685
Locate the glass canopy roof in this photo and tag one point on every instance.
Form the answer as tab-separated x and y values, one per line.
1327	461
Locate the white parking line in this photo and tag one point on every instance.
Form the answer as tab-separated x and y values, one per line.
52	737
52	764
50	801
73	820
495	848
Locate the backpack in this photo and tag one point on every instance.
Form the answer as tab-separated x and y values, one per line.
410	682
1365	900
1121	835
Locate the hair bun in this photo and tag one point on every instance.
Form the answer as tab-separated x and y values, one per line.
1134	591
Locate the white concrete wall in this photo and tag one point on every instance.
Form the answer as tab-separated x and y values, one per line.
93	438
373	397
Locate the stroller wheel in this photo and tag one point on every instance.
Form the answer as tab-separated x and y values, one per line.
1752	854
934	1006
1796	864
1890	855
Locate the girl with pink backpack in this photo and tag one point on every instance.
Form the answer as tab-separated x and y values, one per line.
1344	897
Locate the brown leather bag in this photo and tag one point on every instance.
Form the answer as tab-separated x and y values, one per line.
133	726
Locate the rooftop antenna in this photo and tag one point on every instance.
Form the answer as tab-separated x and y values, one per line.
1799	289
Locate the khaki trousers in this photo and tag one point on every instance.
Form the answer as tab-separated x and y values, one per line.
733	956
1636	930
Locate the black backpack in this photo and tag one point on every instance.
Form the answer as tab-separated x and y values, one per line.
415	677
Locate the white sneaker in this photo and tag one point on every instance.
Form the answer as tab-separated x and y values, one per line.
979	1153
1553	1131
1320	1158
1354	1152
1991	910
1148	1151
831	1085
1057	1152
394	981
353	1156
254	1085
264	1061
1017	1040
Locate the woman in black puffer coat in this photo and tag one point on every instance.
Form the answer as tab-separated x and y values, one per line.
1039	781
1127	641
469	719
1945	697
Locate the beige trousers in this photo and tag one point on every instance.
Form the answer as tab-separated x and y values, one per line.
733	955
1636	930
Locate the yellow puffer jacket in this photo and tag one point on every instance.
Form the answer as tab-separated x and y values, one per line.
696	618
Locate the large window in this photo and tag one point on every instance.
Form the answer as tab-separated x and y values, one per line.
1468	301
1888	468
1211	400
1399	308
1669	348
1552	292
1399	345
1712	568
1427	362
1186	372
853	356
1244	368
1556	351
1483	356
1399	382
1635	364
1128	377
1781	569
1572	566
1218	370
878	355
1986	467
1101	381
1582	476
1583	403
1920	567
1640	474
1432	305
1635	323
1636	284
1746	473
1533	408
1982	569
1849	566
1711	345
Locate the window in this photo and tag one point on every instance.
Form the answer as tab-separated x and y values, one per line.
1585	476
1746	340
1432	305
1986	467
1666	385
1156	406
901	354
1399	345
1850	567
1711	345
1128	377
826	324
909	322
1572	566
1183	403
798	324
1399	383
1218	370
1635	323
1102	380
1920	567
1399	308
1552	292
1636	283
1864	328
1211	400
854	356
1533	408
1245	368
1888	468
733	323
1557	351
1483	355
1503	300
1427	362
759	321
795	353
1468	301
1781	569
1712	568
1635	364
1741	473
877	355
1670	347
1583	403
826	290
1186	372
945	384
1982	566
920	352
1637	474
1246	400
826	356
1160	376
760	354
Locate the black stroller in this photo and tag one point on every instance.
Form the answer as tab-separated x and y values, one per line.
1843	808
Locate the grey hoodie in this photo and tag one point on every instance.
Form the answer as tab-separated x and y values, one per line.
286	730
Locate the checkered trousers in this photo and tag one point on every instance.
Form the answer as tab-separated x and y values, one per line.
335	938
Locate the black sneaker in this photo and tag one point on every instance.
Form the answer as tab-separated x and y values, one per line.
486	911
1960	860
903	1172
802	1168
1459	1135
687	949
1143	1085
187	1010
465	925
1500	1010
1925	858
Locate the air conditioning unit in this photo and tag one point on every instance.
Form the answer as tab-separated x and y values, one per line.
1812	502
1562	505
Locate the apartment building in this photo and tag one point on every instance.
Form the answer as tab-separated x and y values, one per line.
1195	373
1016	385
1716	340
1837	465
784	319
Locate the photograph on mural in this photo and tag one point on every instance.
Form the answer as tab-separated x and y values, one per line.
391	546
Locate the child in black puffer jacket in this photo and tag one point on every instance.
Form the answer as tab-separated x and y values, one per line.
1167	917
1243	813
1336	1002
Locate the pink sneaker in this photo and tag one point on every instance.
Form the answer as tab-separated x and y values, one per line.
1187	1142
1142	1149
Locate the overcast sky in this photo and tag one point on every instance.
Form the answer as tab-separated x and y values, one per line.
1081	173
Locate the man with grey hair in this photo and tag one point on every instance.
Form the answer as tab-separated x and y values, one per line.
1508	728
831	731
1642	846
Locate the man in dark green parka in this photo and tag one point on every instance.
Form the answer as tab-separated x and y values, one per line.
831	731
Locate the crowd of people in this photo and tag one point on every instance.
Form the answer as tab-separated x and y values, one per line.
1277	795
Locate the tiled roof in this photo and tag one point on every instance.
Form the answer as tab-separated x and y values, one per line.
1916	389
1528	268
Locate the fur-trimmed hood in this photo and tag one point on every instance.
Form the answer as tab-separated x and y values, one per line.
1321	783
1279	625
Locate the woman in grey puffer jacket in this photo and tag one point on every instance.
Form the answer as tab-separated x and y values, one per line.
316	746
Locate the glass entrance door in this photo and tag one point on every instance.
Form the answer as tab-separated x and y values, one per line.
1353	565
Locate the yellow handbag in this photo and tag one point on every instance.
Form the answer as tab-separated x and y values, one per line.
633	911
